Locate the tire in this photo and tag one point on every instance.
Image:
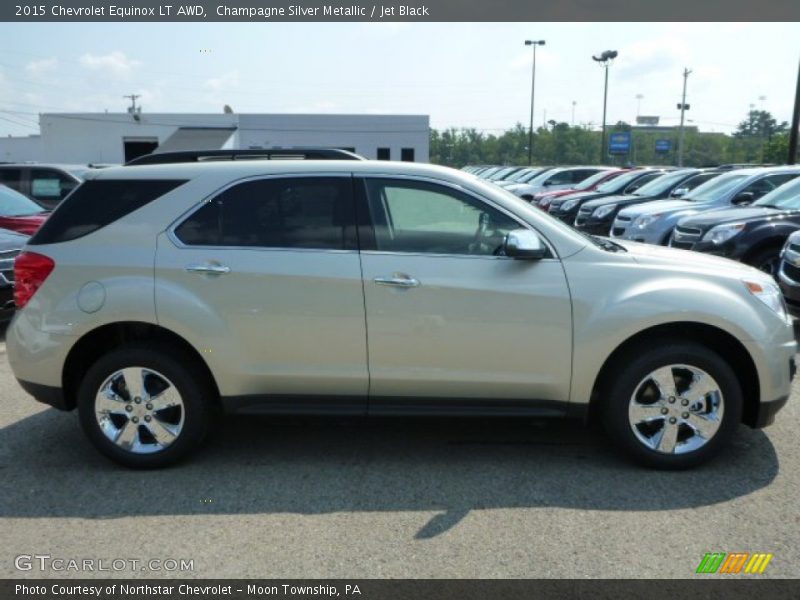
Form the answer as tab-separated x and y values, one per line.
147	436
766	260
649	422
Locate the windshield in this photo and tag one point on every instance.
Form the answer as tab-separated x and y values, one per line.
502	173
590	181
619	182
14	204
715	188
519	175
786	196
659	185
534	175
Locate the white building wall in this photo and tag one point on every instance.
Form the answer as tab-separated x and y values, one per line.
99	137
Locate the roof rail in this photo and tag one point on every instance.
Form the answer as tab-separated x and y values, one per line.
163	158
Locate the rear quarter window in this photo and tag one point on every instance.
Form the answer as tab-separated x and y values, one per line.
95	204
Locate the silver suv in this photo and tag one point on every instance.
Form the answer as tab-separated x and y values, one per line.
156	297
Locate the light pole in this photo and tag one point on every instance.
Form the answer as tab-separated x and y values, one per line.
605	59
573	112
533	43
683	108
639	104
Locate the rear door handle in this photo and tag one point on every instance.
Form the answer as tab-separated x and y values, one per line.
398	280
208	268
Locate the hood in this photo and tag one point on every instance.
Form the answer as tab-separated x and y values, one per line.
709	218
648	254
581	196
661	206
606	200
27	224
556	193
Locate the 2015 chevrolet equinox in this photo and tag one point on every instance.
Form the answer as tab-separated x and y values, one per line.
155	295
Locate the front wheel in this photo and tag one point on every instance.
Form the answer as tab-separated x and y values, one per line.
145	406
673	407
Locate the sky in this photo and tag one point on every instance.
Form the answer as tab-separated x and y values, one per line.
474	75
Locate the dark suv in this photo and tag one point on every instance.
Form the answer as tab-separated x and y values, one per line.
45	184
752	234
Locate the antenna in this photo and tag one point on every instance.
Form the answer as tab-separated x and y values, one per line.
133	110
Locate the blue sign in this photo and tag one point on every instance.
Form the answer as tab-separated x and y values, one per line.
663	145
619	142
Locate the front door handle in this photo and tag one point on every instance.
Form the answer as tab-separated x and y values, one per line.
398	280
208	268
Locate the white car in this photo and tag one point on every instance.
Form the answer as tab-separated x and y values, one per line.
554	179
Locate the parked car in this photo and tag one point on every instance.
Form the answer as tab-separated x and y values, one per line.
542	199
19	213
554	179
11	244
566	208
653	222
789	273
504	173
751	234
44	183
156	295
532	173
597	216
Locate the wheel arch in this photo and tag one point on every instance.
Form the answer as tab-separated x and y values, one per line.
93	344
714	338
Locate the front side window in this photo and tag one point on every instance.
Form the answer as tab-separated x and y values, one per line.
420	217
301	212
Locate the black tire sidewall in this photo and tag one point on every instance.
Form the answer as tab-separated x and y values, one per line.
645	361
175	366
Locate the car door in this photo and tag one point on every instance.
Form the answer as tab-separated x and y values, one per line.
449	318
267	275
48	187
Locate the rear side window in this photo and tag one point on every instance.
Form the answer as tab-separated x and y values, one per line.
309	212
12	178
47	184
95	204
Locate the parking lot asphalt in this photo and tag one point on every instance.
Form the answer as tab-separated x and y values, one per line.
358	498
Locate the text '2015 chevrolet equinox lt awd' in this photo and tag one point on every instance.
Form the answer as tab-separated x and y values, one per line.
156	295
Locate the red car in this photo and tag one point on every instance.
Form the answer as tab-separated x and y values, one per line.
19	213
543	199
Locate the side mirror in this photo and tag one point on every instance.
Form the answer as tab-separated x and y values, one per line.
743	198
679	192
524	244
547	183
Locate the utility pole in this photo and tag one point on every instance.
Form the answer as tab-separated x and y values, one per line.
533	43
132	107
683	108
792	158
573	112
604	59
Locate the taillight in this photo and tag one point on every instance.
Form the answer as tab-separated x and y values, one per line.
30	271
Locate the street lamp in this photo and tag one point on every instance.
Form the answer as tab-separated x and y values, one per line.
533	43
605	60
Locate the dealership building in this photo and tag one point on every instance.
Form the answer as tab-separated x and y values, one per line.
119	137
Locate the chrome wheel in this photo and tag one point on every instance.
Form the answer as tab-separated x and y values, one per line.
676	409
139	410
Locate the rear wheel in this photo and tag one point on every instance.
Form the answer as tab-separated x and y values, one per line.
673	407
145	406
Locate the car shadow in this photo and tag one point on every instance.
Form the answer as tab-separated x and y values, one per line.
325	465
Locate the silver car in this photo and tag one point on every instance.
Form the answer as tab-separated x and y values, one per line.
559	178
157	297
653	222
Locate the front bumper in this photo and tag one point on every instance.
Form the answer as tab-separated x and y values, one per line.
568	217
790	287
52	396
593	226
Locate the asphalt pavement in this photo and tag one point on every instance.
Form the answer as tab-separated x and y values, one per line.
387	498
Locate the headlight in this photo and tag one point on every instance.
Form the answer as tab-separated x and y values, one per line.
645	221
569	205
722	233
770	295
604	211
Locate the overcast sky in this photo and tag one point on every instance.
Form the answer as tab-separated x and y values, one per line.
461	74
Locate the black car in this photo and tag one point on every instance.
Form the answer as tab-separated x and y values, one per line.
789	273
753	234
11	244
566	207
597	216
